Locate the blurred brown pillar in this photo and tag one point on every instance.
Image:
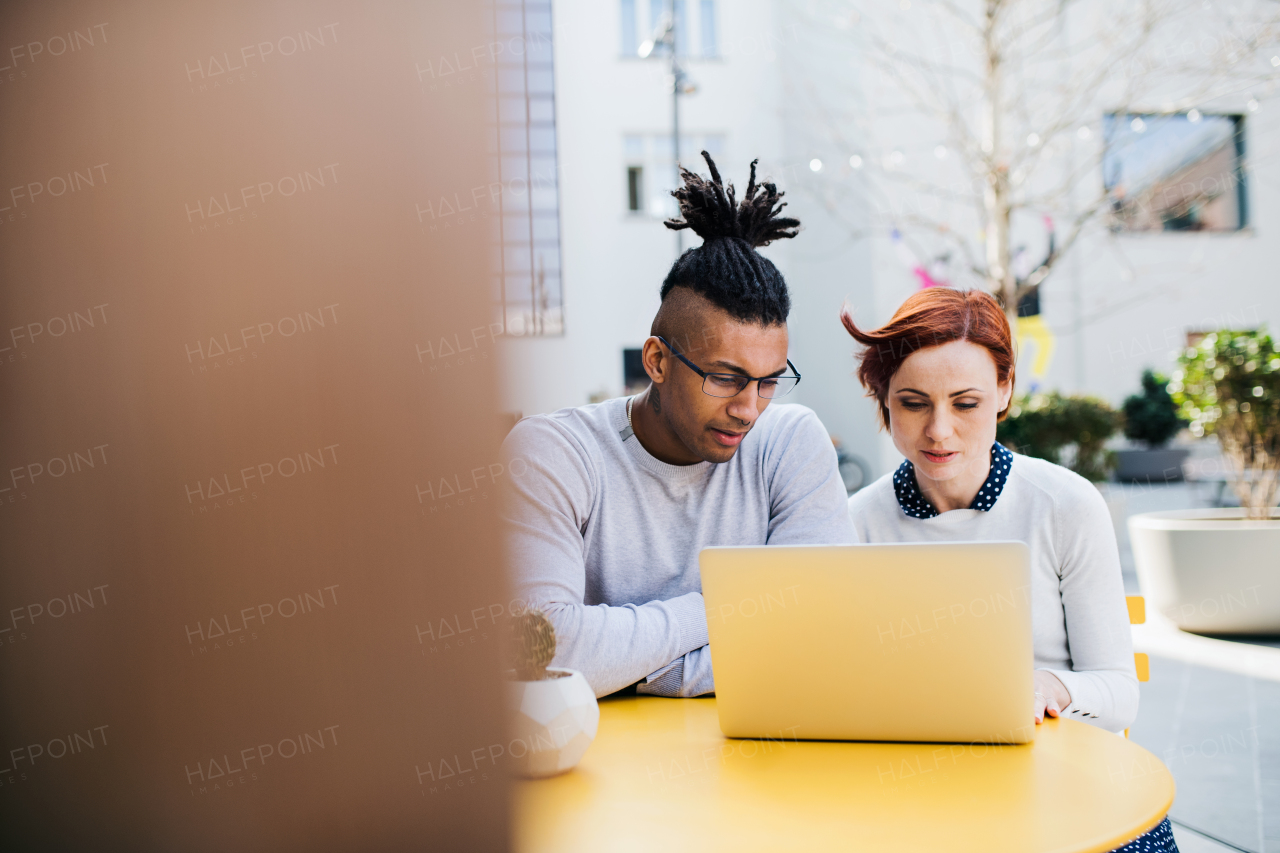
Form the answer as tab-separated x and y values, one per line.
250	589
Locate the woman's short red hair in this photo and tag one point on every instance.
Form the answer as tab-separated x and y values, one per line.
930	318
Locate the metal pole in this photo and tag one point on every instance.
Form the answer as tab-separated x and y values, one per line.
675	114
1077	292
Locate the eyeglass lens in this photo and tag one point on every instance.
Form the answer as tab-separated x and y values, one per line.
729	385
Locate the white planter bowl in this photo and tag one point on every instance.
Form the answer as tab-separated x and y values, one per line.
1210	570
555	721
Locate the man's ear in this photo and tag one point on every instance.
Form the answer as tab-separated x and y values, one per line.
653	356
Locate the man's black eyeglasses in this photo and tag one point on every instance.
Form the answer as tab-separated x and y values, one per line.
733	384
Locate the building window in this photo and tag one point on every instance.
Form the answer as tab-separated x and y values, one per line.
707	29
657	8
527	268
635	183
1175	172
696	35
630	41
650	164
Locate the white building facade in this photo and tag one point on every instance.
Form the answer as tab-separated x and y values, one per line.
1116	304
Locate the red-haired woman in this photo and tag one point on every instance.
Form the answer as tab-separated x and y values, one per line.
942	371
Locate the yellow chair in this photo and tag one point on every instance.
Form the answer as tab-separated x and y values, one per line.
1137	615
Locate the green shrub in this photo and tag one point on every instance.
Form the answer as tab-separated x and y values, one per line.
1151	417
1229	386
1043	425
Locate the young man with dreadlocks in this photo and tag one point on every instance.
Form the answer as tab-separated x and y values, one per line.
615	500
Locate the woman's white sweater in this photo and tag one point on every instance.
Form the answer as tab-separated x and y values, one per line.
1079	620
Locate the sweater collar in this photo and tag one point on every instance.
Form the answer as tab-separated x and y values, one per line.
916	505
632	448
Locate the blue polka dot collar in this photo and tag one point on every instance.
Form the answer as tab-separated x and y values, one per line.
916	505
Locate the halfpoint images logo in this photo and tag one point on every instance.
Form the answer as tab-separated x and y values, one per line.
23	197
232	67
219	491
25	476
219	634
231	349
446	493
25	57
55	608
22	760
50	329
222	771
208	214
457	350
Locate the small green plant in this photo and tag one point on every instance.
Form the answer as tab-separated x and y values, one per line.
533	645
1043	425
1151	417
1229	386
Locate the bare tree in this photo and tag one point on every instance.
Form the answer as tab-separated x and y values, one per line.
1015	94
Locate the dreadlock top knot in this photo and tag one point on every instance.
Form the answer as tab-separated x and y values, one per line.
726	269
711	210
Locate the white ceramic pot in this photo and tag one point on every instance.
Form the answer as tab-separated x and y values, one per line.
1210	570
555	721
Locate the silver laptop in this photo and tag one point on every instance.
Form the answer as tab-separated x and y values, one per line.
905	642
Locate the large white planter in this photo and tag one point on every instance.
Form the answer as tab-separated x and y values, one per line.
1210	570
555	721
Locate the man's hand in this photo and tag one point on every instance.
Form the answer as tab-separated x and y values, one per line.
1051	695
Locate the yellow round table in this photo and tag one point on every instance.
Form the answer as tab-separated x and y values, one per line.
661	777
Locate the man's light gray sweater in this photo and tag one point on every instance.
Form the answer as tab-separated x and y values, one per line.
605	538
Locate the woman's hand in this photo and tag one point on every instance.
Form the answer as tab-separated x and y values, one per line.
1051	695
